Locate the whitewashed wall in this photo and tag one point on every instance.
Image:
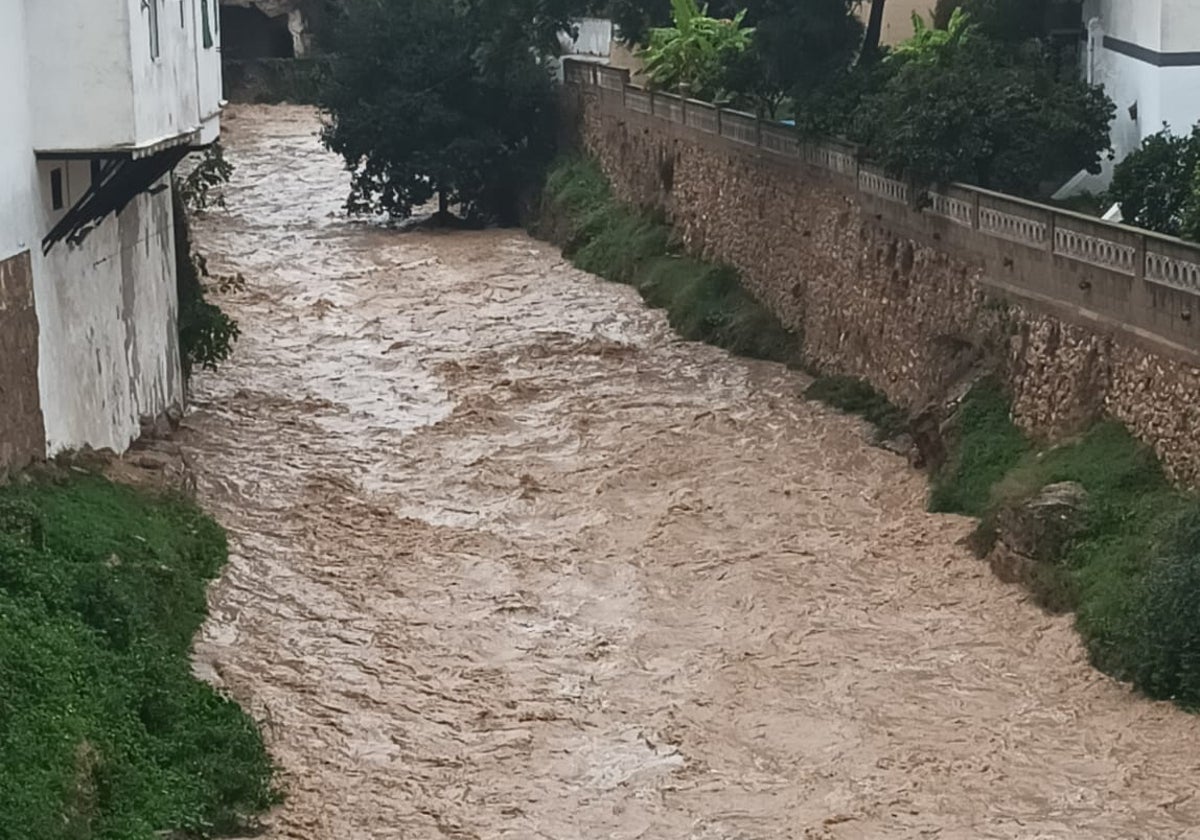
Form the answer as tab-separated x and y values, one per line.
97	82
18	182
107	310
1169	32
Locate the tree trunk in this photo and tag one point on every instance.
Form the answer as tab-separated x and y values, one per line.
874	30
443	206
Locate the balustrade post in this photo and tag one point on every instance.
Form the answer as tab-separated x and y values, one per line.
1051	231
1139	265
974	210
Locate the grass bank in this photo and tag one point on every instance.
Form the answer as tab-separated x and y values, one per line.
1132	573
1132	576
104	732
704	302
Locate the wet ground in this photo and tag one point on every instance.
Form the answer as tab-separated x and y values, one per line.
511	561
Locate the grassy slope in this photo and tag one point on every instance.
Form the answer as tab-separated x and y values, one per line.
104	733
1133	576
704	302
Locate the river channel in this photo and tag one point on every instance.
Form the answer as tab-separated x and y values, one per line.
510	560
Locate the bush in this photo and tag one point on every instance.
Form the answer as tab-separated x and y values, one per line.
704	302
206	334
961	106
104	733
1165	637
1132	575
988	445
1158	185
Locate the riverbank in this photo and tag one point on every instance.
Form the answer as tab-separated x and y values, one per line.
1122	555
104	731
508	558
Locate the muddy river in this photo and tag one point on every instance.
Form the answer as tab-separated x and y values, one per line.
509	560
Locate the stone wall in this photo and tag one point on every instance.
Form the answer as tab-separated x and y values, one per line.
21	440
913	301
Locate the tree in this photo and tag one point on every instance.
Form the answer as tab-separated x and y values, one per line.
960	106
870	48
799	48
1158	185
433	98
696	52
635	18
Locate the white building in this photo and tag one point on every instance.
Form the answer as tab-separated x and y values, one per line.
100	100
1146	54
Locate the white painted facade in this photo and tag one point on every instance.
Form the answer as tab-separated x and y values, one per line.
1146	54
85	83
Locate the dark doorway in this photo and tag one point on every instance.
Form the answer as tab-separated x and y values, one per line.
248	33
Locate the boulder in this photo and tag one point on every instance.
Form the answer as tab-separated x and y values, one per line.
1037	530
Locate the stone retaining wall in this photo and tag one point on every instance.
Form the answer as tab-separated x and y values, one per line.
912	300
21	433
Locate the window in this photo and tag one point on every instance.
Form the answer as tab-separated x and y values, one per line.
151	6
206	21
56	188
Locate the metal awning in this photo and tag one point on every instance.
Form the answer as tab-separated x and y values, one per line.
120	180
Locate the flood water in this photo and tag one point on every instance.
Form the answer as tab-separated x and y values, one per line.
509	560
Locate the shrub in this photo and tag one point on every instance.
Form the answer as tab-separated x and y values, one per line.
1165	637
703	301
206	334
1158	185
104	732
988	445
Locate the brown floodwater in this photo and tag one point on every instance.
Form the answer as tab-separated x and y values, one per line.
510	560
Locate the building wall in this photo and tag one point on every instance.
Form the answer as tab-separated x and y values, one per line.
21	430
88	330
98	83
107	308
165	89
1145	53
17	178
80	74
897	18
910	300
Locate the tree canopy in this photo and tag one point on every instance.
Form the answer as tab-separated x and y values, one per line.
696	52
445	98
1158	185
959	105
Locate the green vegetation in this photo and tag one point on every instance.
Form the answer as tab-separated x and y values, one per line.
854	396
986	94
958	105
206	334
1158	186
704	302
1132	576
988	445
104	732
696	52
455	101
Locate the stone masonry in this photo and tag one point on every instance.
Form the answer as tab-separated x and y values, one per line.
911	314
20	410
